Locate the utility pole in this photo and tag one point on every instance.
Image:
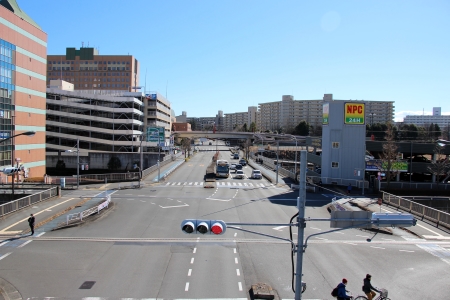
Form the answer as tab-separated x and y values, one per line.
278	160
301	225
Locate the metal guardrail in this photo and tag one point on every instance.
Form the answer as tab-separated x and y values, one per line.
425	212
18	204
83	214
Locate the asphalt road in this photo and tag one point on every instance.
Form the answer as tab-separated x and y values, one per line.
137	249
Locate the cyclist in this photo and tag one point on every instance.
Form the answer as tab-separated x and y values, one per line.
368	289
342	292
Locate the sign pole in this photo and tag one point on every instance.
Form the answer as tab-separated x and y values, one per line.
301	201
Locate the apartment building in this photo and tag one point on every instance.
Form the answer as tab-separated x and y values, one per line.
425	120
286	114
204	123
86	69
23	48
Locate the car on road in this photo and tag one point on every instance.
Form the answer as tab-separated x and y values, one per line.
210	143
236	156
239	174
238	167
256	174
242	162
233	167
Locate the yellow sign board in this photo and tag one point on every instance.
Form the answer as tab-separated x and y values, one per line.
354	113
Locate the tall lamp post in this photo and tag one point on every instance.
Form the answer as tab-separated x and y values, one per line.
27	133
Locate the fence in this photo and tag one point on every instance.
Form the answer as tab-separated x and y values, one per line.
112	177
83	214
18	204
424	212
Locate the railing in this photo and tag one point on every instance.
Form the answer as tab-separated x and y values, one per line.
18	204
78	217
425	212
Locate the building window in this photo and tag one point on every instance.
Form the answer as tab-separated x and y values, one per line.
335	145
334	164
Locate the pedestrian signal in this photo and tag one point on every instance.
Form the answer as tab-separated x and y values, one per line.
203	226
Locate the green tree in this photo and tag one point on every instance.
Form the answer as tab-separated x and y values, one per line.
302	129
389	154
244	127
253	127
186	146
114	163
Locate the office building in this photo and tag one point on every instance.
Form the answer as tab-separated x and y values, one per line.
23	48
286	114
86	69
426	120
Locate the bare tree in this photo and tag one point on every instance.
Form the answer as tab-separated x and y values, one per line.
389	154
442	164
186	145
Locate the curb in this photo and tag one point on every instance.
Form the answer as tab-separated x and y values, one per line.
8	291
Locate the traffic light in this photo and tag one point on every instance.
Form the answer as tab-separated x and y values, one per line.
203	226
393	219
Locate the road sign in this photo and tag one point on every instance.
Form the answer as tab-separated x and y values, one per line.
341	219
155	134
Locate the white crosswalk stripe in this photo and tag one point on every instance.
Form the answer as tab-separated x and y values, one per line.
218	183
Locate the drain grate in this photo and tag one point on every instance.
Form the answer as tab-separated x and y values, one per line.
87	285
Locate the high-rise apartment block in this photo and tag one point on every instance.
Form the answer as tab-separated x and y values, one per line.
23	48
425	120
287	113
86	69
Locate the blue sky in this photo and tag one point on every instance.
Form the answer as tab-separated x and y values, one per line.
227	55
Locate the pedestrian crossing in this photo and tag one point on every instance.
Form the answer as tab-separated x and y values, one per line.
219	184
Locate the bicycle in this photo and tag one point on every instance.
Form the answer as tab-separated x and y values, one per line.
382	296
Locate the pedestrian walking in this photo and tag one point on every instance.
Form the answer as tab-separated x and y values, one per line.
349	189
31	223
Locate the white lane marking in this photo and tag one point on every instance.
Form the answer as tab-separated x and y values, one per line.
406	250
240	286
142	201
190	183
224	200
350	244
234	250
321	238
315	228
26	219
195	250
26	243
436	237
236	260
5	255
436	233
192	260
4	243
377	247
189	272
365	236
279	227
387	239
238	272
235	234
174	206
186	288
40	234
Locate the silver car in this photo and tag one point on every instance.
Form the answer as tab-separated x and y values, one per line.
239	174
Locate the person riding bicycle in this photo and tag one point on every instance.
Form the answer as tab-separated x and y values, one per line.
342	292
368	289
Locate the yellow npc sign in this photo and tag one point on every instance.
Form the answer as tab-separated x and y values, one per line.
354	113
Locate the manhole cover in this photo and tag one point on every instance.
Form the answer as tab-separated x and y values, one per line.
87	285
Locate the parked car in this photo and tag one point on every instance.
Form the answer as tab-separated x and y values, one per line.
239	174
233	167
243	162
256	174
238	167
